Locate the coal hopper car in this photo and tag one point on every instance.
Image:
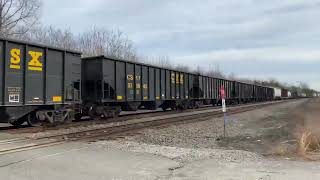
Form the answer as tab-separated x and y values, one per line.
110	85
38	83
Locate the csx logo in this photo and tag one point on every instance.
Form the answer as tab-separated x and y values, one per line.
130	77
34	64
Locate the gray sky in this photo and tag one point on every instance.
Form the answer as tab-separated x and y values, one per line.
250	38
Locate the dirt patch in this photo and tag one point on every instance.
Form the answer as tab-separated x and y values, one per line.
274	135
292	132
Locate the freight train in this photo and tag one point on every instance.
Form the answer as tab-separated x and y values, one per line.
47	84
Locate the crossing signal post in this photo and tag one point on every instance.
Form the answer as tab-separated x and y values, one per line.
224	109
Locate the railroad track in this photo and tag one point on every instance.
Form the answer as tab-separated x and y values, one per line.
87	121
116	128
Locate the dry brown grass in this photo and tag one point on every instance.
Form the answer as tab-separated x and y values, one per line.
308	145
280	150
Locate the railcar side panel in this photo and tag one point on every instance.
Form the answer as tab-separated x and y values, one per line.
130	82
215	88
138	83
152	84
236	90
204	85
14	80
284	93
186	86
157	84
168	85
34	76
54	74
2	61
181	83
218	88
227	89
91	75
109	81
163	84
207	88
222	85
145	82
191	85
232	90
173	84
120	81
72	78
201	88
177	84
210	88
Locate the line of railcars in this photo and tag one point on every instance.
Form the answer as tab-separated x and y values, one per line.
41	83
110	85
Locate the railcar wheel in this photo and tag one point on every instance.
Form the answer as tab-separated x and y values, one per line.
18	122
115	114
78	116
92	114
32	119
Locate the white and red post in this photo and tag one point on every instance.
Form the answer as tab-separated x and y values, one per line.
224	109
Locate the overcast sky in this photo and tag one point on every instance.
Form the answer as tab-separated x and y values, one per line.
250	38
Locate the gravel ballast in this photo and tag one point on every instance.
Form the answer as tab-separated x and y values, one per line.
247	126
182	155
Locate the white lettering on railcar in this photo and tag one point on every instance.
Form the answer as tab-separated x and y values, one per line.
14	98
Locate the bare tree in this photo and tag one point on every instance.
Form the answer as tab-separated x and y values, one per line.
51	36
163	61
199	70
232	76
18	16
215	72
94	42
109	43
183	68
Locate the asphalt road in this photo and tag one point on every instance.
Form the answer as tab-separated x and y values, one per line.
82	161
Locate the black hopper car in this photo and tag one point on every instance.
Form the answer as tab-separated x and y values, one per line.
110	85
42	83
37	83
